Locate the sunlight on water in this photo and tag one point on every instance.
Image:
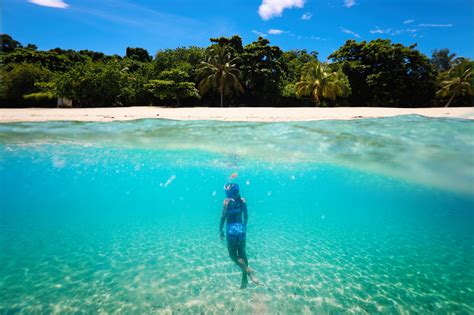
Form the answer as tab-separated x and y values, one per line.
363	216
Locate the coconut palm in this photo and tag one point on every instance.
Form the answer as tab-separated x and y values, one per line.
318	81
458	83
220	71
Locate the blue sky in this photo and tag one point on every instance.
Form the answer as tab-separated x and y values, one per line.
322	25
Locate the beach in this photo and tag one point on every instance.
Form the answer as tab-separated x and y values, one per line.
256	114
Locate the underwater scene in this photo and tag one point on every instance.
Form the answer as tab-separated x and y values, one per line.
360	216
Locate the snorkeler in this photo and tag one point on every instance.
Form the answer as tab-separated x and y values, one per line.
234	207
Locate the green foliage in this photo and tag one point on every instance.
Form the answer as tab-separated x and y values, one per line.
185	59
320	82
220	72
375	73
232	45
40	96
91	55
135	75
262	71
385	74
457	82
54	60
93	84
442	59
9	44
20	80
138	54
288	90
46	92
173	84
31	47
292	62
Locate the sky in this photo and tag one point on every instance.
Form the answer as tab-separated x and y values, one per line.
110	26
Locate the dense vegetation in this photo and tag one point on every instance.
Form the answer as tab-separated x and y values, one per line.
227	73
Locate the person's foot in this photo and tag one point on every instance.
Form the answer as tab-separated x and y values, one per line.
251	274
244	283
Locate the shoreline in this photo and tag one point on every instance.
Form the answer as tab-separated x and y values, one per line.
243	114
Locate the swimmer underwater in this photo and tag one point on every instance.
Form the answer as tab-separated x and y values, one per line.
233	209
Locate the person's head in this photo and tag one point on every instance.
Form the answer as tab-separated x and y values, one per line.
231	190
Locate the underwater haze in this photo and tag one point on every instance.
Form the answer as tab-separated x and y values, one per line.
360	216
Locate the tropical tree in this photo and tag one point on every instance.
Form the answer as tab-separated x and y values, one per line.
262	71
136	75
21	80
138	54
231	44
173	84
382	73
457	83
220	71
442	59
93	84
8	43
182	58
47	92
318	81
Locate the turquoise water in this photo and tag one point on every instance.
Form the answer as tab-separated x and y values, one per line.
365	216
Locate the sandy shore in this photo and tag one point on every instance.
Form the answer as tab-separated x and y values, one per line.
225	114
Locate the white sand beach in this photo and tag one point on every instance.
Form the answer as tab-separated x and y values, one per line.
261	114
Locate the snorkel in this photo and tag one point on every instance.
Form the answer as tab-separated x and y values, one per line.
231	190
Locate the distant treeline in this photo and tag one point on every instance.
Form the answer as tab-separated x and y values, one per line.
227	73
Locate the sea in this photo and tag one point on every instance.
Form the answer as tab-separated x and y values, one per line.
361	216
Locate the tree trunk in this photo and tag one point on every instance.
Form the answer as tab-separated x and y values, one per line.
177	100
222	98
450	100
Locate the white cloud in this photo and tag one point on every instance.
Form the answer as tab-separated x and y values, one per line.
259	33
349	3
306	16
51	3
345	30
435	25
272	8
377	30
408	30
408	21
275	31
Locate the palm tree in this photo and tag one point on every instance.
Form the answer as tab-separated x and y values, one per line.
220	71
318	81
458	83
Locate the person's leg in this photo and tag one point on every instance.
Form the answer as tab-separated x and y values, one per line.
243	261
241	251
232	248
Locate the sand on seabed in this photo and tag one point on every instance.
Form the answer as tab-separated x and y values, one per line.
261	114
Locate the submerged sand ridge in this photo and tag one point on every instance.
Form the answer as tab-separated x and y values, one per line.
257	114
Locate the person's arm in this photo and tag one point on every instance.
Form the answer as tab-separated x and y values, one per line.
244	210
223	217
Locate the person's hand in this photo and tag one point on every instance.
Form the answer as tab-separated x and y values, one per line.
221	235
